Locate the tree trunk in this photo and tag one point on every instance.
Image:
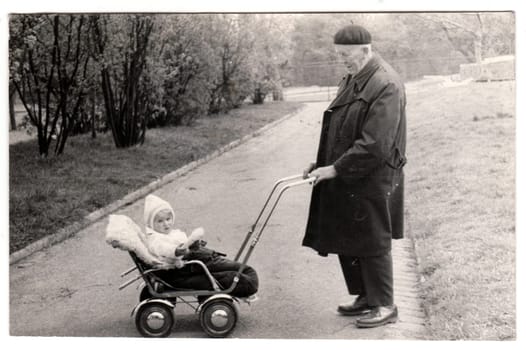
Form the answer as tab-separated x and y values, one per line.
477	43
259	97
93	116
124	113
478	40
12	115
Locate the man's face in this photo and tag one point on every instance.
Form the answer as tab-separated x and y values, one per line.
163	221
352	57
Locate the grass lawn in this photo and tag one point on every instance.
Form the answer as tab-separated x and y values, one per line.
460	207
48	194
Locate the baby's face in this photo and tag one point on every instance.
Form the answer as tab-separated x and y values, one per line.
163	221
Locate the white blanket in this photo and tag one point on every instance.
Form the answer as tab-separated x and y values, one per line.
123	233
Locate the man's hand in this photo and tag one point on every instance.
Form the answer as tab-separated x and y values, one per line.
308	169
323	173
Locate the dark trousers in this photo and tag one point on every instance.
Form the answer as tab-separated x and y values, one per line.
369	276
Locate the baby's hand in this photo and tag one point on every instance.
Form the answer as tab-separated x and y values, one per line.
196	245
181	250
179	263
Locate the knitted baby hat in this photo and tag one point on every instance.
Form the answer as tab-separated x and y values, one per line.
152	206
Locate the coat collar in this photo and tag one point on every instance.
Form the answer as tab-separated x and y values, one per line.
363	76
355	84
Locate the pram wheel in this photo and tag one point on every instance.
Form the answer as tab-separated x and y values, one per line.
154	319
218	317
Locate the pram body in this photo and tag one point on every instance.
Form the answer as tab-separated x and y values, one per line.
217	309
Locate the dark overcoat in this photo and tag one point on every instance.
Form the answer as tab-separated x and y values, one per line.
363	135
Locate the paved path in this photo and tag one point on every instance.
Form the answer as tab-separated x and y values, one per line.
70	289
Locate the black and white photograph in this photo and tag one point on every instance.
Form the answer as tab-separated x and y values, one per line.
341	174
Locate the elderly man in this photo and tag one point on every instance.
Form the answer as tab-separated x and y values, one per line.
357	202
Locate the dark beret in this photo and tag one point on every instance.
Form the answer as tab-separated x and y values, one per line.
352	35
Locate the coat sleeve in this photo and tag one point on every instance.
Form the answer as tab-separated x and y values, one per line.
163	247
377	139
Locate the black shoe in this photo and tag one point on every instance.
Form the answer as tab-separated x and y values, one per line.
357	307
379	316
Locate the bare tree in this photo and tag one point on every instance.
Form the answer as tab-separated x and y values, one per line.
469	23
48	70
232	45
12	115
122	60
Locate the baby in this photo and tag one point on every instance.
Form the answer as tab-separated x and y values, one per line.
167	244
172	246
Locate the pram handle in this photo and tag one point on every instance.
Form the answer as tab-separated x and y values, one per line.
309	180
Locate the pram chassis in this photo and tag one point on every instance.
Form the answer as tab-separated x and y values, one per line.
218	311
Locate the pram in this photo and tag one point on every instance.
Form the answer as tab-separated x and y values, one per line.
217	310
